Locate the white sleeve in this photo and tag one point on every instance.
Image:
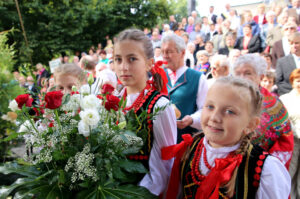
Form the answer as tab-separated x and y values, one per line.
165	134
201	95
275	180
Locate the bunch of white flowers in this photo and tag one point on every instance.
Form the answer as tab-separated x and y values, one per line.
89	114
82	165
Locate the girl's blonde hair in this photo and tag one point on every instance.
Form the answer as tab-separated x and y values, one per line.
70	69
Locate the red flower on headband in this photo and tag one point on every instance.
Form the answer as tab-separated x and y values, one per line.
24	99
53	99
158	69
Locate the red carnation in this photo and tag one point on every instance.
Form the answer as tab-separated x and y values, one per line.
39	111
24	99
112	102
107	88
51	125
53	99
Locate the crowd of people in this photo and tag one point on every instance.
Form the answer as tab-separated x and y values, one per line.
234	77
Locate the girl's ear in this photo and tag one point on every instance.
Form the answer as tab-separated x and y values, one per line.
254	122
150	63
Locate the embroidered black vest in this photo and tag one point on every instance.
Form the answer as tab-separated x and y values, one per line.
247	180
145	129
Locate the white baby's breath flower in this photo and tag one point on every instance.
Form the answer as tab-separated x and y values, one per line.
90	102
13	105
90	117
25	127
42	127
85	89
83	129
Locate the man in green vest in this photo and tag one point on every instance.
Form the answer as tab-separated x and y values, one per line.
187	87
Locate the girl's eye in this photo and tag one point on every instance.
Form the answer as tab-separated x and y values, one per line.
210	107
230	112
131	59
117	60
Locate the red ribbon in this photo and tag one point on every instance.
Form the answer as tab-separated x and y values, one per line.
158	69
176	151
219	175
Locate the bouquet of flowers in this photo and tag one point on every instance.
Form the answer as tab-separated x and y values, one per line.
80	143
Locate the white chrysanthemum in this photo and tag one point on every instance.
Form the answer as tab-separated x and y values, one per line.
73	104
90	102
13	105
85	89
90	117
83	129
25	127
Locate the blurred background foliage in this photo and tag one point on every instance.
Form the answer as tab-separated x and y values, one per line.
55	26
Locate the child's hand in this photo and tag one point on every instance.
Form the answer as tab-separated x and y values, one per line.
186	121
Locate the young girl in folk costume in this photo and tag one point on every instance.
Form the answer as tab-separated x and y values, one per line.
68	75
223	163
133	59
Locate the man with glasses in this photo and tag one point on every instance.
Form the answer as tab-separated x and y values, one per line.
281	48
187	88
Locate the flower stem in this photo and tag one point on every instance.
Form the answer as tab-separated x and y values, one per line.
57	118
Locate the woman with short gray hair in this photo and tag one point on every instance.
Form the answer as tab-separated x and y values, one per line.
274	131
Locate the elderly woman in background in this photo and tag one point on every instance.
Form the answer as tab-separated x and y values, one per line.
203	64
274	133
291	101
219	68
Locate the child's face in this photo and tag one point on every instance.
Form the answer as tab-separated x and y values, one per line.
65	83
225	116
296	84
131	64
267	83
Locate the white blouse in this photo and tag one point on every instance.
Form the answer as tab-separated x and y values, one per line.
275	181
291	102
165	134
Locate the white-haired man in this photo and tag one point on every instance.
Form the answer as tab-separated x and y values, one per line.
187	88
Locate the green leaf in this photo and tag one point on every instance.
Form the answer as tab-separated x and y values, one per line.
5	191
130	192
29	171
41	191
54	193
12	136
132	166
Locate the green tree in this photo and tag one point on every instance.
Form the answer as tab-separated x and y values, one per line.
179	9
69	25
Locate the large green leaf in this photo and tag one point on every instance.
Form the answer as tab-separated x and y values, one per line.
132	166
5	191
12	167
128	192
